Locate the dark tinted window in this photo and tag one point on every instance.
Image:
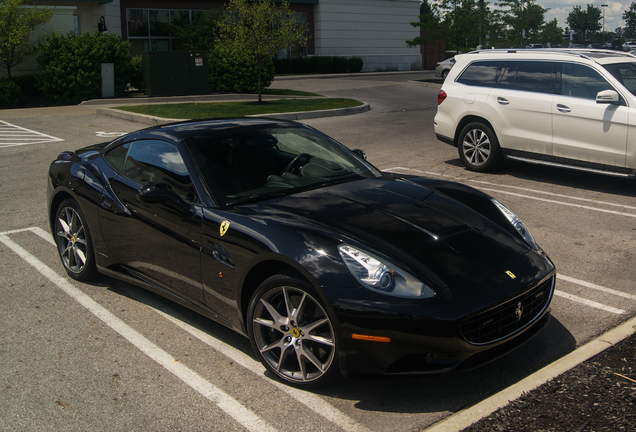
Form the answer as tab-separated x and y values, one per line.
534	76
582	81
153	161
481	73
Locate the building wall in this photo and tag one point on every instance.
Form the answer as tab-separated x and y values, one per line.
61	20
375	30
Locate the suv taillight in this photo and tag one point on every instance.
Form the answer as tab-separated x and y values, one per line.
441	97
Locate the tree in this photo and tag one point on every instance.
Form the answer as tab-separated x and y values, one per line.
583	22
16	26
630	19
198	34
551	34
254	31
523	20
456	21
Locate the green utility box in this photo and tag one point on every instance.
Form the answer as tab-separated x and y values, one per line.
175	73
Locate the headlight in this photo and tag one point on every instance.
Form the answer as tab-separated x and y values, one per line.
516	222
382	277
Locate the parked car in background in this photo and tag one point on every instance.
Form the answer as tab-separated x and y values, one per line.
535	45
570	108
443	67
629	46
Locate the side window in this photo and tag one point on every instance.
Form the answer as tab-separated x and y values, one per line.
582	81
117	156
154	161
481	73
534	76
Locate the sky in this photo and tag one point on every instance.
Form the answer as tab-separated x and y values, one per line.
561	9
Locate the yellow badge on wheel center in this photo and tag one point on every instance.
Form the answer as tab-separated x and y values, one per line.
295	332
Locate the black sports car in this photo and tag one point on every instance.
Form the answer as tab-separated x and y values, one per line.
325	263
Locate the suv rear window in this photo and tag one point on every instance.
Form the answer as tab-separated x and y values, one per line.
481	73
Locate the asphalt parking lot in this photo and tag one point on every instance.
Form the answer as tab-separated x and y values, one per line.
109	356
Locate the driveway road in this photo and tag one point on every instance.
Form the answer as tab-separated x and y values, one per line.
109	356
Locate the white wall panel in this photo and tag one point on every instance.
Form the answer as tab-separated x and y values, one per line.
375	30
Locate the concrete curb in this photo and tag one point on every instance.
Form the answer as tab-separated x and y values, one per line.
304	115
468	416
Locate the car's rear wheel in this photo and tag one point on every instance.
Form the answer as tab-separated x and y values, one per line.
291	332
73	241
444	74
479	148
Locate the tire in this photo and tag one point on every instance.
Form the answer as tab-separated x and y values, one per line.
73	240
444	74
291	332
478	147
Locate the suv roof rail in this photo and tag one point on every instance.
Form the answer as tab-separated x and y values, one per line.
579	52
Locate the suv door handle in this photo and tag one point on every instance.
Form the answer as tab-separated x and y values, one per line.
502	101
563	108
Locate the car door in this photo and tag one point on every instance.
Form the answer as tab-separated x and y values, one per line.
521	106
584	130
150	216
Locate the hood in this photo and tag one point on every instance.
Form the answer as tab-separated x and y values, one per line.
425	232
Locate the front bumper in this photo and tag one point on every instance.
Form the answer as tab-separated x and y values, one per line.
458	330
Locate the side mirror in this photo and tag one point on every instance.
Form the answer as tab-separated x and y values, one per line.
360	154
162	193
608	97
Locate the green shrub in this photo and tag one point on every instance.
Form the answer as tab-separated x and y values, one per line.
71	65
226	75
318	64
10	93
355	64
29	85
137	74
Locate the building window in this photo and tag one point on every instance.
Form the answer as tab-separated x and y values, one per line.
149	29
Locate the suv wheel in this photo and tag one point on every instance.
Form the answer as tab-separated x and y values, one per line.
478	147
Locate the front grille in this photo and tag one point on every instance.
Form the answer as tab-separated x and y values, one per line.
507	319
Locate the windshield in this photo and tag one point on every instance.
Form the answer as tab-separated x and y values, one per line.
625	73
259	162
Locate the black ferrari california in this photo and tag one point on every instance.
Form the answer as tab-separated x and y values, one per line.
328	265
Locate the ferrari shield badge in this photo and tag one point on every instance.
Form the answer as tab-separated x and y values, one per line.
225	225
509	273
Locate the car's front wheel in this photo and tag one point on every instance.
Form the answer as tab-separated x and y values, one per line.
73	241
291	332
444	74
479	148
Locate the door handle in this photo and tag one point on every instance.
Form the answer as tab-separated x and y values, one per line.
502	101
563	108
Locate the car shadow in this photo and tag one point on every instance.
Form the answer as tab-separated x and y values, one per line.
449	392
456	390
564	177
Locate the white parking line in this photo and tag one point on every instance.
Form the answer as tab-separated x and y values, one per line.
12	135
229	405
597	287
552	201
310	400
589	303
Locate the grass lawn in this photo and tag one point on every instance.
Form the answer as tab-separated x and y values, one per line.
223	110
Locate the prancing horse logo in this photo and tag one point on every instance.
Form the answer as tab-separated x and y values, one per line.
225	225
519	311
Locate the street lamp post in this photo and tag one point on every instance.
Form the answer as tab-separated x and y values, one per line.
603	6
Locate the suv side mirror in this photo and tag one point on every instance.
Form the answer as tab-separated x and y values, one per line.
608	97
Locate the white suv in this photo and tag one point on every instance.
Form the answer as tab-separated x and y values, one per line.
568	107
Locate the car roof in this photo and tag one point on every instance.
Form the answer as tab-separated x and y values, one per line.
183	130
601	56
